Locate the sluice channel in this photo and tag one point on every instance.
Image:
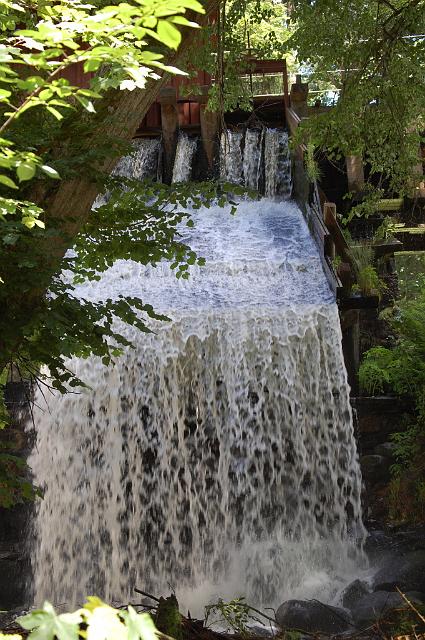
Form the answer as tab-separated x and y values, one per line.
218	456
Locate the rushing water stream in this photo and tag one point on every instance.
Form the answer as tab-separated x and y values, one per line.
218	456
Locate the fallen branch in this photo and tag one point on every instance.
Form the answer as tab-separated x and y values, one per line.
411	605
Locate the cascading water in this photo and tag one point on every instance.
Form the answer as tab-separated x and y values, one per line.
231	159
277	163
218	456
252	157
186	148
245	167
142	163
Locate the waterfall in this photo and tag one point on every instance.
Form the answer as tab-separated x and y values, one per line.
231	159
245	167
218	456
252	157
141	163
277	164
186	147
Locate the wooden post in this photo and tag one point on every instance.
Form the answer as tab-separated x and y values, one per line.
169	123
350	326
285	85
209	127
299	95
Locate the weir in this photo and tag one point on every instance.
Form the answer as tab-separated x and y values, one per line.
218	456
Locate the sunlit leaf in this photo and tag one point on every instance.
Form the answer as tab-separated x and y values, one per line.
8	182
168	34
25	171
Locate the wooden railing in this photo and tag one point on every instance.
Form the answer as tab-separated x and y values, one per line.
319	213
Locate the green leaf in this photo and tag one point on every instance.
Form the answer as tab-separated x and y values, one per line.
168	34
184	21
25	171
54	112
140	625
4	94
105	624
8	182
194	5
46	625
49	171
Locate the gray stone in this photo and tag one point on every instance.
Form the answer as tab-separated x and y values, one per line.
353	593
312	616
262	632
375	469
385	449
407	572
374	606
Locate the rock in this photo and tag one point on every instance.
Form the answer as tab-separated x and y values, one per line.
353	593
312	616
262	632
375	606
407	572
8	618
385	449
375	469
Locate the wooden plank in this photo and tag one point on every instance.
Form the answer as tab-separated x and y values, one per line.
390	204
153	116
332	225
195	113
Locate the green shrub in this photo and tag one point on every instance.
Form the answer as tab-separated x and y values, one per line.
401	370
94	621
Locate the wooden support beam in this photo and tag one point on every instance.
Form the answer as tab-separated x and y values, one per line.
331	223
355	173
299	95
209	132
169	124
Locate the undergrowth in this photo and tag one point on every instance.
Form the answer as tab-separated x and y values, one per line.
401	371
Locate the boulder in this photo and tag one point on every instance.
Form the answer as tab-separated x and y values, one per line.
353	593
375	469
312	616
262	632
385	449
407	572
374	606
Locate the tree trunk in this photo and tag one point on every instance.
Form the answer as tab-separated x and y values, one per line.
118	116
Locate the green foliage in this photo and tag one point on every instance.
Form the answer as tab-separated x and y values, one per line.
14	484
373	53
139	222
247	28
168	618
386	230
367	207
311	166
367	277
122	46
410	267
39	42
235	614
401	370
94	621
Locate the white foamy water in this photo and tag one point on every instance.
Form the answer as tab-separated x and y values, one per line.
141	164
231	158
277	163
217	456
253	152
186	147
